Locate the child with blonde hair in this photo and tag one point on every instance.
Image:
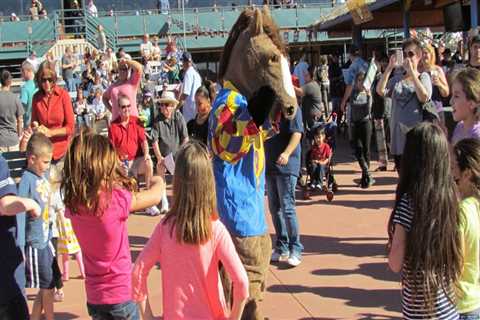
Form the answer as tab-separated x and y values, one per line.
37	231
189	243
98	199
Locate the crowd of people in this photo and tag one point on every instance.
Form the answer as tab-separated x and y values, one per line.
79	187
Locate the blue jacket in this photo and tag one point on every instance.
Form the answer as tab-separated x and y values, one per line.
238	164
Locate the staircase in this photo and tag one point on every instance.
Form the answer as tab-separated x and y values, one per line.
59	40
59	47
91	27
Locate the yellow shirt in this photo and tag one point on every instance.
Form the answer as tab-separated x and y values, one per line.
468	295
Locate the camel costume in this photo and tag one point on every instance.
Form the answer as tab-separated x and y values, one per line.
257	86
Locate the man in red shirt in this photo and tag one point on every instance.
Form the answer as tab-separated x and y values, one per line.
127	135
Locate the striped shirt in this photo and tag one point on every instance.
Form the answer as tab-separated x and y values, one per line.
414	306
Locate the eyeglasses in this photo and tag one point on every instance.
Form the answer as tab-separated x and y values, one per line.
126	106
123	69
409	54
43	80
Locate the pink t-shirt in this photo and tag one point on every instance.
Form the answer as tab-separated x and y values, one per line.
105	249
191	287
129	89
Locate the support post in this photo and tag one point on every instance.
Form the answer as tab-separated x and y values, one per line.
357	36
474	13
406	18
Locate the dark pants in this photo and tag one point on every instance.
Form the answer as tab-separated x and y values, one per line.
306	144
121	311
398	161
361	135
57	274
325	98
16	309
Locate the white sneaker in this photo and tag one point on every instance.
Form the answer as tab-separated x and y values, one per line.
153	211
294	261
278	257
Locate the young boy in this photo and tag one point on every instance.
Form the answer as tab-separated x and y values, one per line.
38	232
320	155
13	304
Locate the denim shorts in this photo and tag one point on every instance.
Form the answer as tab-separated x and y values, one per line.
472	315
120	311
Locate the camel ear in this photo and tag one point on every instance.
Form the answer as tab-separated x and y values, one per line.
266	11
256	25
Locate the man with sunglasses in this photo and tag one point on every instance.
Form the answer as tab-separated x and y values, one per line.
129	77
127	135
169	132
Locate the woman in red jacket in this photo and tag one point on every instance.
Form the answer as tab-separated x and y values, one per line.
52	112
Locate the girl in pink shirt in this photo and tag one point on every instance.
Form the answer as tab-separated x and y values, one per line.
98	198
189	243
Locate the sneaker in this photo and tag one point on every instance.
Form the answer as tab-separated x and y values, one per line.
294	261
279	257
371	181
153	211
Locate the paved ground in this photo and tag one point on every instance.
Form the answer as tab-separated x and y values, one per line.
343	275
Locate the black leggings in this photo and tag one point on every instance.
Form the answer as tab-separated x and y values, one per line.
361	135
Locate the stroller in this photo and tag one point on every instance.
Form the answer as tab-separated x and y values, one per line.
331	186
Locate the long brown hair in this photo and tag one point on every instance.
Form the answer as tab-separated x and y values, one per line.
90	173
467	154
433	250
194	198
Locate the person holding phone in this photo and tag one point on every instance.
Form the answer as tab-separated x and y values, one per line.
440	89
408	90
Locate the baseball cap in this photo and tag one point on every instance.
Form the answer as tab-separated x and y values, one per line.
186	56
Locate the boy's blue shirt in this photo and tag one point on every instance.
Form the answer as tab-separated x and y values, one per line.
37	231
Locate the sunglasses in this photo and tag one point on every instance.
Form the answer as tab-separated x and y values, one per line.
409	54
43	80
123	69
126	106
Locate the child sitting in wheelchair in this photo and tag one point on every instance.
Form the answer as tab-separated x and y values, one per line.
319	157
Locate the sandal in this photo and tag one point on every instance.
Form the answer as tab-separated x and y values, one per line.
58	296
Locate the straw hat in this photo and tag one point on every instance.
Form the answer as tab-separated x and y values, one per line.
167	97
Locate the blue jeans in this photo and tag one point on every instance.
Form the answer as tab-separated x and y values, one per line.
281	202
120	311
475	315
70	85
318	173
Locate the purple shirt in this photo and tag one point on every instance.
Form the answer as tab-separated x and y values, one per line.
460	133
